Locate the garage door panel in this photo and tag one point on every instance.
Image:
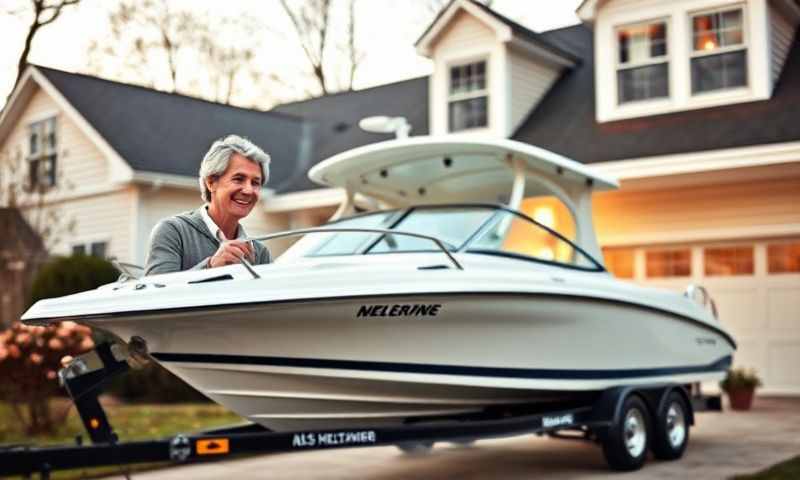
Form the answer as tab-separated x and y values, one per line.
750	353
783	307
739	309
783	369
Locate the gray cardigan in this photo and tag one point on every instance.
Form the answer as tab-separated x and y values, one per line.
183	242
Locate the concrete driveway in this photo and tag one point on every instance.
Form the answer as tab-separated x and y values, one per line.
721	445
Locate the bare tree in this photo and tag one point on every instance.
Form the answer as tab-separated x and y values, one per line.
312	22
146	30
195	58
44	13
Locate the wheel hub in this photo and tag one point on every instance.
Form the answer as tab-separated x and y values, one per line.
676	425
635	432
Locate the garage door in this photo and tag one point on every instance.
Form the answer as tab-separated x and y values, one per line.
756	285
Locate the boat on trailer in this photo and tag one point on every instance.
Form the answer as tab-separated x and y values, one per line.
431	296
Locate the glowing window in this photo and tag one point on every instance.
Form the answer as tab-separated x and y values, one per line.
668	263
619	261
720	261
784	257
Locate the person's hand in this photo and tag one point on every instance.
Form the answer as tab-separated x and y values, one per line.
231	252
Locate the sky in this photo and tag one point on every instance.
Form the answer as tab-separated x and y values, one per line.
386	32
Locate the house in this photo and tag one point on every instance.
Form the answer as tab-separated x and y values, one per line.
21	254
694	105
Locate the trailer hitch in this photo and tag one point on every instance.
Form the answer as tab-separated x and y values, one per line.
84	378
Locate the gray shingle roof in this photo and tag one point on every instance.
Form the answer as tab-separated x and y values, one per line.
169	133
564	121
335	117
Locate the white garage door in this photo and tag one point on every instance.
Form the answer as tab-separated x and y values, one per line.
756	285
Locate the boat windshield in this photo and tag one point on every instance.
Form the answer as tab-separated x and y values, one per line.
486	229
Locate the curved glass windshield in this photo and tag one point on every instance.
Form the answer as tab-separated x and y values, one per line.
453	226
472	228
512	233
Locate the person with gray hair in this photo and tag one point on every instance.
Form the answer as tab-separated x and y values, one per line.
232	174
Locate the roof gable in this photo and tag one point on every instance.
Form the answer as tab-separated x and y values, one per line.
168	134
505	29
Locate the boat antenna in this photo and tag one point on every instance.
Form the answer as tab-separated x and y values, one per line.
383	124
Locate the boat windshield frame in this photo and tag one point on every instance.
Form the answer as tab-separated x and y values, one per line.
497	210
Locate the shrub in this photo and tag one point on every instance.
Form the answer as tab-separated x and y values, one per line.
31	356
68	275
740	379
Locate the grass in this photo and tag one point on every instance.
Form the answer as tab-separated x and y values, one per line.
790	469
131	422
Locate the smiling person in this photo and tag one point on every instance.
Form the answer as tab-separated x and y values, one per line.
231	176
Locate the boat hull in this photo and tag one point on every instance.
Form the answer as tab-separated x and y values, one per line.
378	360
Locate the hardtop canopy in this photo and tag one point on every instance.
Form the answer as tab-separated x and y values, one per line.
430	170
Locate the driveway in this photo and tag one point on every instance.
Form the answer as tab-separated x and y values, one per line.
721	445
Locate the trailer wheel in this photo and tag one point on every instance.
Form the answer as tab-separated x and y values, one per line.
672	428
415	448
625	445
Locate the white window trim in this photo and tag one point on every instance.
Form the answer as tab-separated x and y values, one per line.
744	46
653	61
87	242
485	92
44	152
759	83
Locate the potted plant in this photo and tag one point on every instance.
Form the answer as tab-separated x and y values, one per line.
740	384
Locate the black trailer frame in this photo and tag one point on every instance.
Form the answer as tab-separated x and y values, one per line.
592	419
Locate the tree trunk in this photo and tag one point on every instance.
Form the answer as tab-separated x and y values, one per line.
23	57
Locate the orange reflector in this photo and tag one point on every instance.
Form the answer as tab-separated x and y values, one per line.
213	446
94	423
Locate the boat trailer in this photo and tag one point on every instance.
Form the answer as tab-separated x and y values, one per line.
603	419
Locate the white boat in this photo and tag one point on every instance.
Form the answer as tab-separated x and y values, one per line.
441	300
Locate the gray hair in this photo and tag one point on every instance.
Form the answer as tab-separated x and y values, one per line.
218	157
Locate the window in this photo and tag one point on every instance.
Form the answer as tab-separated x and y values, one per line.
669	263
719	51
729	261
619	261
642	62
42	143
95	249
468	97
784	258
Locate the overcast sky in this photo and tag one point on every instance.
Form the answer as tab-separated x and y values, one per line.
386	31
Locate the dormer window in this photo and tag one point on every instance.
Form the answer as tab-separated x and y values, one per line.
719	51
468	97
642	62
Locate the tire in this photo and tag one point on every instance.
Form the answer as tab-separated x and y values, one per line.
415	448
672	428
626	443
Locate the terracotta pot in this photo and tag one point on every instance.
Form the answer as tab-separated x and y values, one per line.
741	399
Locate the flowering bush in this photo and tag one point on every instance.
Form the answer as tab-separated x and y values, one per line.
30	357
29	361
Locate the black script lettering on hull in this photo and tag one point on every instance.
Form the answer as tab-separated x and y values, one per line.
400	310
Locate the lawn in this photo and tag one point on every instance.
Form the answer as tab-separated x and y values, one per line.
131	422
788	470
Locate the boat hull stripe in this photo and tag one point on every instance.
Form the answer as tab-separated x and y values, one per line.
529	373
